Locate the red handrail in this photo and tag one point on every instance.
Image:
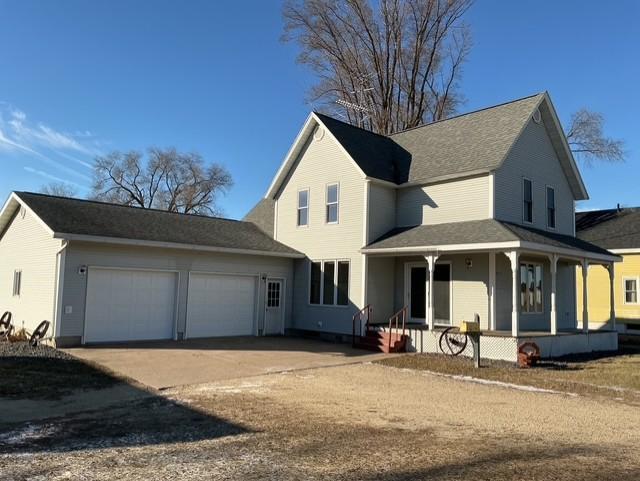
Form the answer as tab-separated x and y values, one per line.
401	314
358	317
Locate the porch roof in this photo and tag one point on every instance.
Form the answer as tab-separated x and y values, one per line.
486	234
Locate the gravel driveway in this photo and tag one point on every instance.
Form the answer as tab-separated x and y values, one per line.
364	421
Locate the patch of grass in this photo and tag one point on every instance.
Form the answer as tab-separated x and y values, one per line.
47	374
611	376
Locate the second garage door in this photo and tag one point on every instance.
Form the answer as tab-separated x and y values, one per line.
221	305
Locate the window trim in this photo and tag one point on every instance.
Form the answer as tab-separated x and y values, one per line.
524	220
335	283
624	290
17	283
298	208
542	306
327	203
555	208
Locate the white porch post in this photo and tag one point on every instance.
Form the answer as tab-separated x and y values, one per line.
492	291
515	295
612	297
585	296
553	259
431	260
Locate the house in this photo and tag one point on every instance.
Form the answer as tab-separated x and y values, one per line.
617	230
451	219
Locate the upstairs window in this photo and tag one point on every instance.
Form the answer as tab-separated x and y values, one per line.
631	291
527	201
17	282
551	208
329	283
303	208
332	204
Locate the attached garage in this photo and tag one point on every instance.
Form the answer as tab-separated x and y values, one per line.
129	305
221	305
110	273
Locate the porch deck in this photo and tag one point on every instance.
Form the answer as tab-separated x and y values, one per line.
502	345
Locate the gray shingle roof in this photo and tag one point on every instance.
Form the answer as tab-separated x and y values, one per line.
263	215
611	228
477	232
83	217
468	143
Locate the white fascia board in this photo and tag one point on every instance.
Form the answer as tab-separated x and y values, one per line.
570	253
10	205
172	245
625	251
486	246
284	167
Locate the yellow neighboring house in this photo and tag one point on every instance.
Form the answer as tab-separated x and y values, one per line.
617	230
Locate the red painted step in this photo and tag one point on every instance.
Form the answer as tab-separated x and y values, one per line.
379	341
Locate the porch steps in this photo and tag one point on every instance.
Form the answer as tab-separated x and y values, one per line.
380	341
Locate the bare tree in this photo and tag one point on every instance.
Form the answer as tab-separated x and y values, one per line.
587	139
59	189
394	64
167	180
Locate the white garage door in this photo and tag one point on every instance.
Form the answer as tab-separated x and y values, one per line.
129	305
221	305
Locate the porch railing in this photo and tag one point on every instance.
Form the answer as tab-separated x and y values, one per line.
358	317
398	318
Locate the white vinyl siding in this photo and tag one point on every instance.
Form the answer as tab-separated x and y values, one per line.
27	248
382	210
321	163
533	157
184	262
453	201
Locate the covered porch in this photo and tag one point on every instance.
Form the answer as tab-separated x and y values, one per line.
520	281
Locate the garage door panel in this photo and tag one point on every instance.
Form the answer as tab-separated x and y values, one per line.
221	305
125	305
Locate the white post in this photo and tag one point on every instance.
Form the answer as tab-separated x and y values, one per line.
553	259
431	260
492	291
612	297
515	294
585	296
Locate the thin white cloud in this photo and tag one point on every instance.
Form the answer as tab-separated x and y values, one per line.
46	143
49	176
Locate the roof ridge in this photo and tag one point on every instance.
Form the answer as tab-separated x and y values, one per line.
351	125
151	209
467	113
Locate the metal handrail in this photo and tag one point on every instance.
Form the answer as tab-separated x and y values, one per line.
401	314
358	317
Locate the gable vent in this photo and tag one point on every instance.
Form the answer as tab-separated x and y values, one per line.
318	133
537	116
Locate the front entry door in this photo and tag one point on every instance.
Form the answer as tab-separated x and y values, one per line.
274	309
418	289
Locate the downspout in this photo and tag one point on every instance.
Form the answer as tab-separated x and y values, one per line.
57	300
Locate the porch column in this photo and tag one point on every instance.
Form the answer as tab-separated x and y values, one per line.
431	260
585	296
515	294
612	297
553	259
492	291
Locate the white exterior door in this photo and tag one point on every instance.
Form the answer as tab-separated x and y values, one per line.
221	305
129	305
274	308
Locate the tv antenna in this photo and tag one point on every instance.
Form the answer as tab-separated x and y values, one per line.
362	109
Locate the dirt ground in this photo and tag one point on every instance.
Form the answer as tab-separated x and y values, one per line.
364	421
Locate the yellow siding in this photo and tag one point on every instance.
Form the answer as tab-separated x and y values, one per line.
598	285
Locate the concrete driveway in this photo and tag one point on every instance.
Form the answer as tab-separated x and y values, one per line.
175	363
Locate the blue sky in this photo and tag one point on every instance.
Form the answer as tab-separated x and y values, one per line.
81	78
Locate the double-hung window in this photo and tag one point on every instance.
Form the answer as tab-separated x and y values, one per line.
630	290
329	283
551	207
527	200
531	287
303	208
17	282
333	193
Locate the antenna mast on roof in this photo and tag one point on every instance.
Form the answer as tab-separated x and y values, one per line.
361	109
